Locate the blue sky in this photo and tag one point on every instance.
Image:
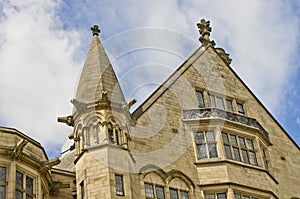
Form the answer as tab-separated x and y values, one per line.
43	46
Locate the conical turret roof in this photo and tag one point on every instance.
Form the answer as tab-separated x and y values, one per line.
98	76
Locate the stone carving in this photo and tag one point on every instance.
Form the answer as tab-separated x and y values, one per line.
205	113
224	56
204	30
47	165
95	30
67	120
17	150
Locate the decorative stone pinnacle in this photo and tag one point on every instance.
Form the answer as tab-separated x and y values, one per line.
95	30
204	30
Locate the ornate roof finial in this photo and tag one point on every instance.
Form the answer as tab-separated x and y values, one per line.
95	30
204	30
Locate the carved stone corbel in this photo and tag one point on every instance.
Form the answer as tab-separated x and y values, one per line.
16	152
67	120
47	165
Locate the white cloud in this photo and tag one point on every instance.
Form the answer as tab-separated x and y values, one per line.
36	69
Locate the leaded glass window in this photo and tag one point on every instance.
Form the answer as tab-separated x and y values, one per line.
239	148
184	195
149	190
229	105
24	186
200	99
2	182
240	108
221	196
216	196
119	185
206	144
160	193
19	180
220	103
173	194
212	101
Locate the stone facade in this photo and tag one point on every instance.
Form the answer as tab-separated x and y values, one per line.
201	134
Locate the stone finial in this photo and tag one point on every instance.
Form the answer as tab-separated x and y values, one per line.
204	30
95	30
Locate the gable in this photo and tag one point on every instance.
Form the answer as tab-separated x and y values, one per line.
206	70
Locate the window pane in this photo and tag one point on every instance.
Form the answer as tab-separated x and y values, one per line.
240	108
212	148
228	152
149	190
229	105
210	136
237	196
246	197
19	195
82	189
173	194
209	196
236	154
250	144
29	185
199	96
242	142
160	194
2	192
225	137
184	195
199	137
212	101
119	185
220	103
19	179
110	136
245	156
252	158
233	140
3	174
202	151
221	195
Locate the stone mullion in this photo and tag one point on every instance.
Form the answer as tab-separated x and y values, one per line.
230	194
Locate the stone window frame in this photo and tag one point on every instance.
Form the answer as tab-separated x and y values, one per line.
3	183
119	185
243	196
240	148
200	99
82	192
179	193
208	95
154	190
24	189
215	98
206	143
216	195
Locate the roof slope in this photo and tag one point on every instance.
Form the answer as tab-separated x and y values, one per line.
98	76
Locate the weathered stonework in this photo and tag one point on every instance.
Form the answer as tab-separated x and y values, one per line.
173	142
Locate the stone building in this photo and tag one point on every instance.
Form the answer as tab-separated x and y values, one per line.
201	134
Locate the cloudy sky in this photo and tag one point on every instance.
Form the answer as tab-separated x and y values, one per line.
43	46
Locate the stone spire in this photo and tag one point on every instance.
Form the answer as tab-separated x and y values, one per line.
98	85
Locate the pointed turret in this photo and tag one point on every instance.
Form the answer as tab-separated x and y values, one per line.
101	114
98	82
